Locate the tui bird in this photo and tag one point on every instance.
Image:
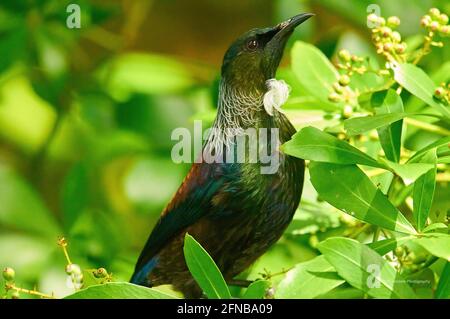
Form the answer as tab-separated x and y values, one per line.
232	209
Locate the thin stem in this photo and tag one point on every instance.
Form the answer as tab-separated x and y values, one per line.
240	282
376	234
31	292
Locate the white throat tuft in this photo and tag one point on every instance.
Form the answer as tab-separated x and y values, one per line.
276	95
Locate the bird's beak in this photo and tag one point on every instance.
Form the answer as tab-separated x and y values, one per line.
285	29
281	33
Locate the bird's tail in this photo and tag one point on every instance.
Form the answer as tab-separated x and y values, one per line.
141	276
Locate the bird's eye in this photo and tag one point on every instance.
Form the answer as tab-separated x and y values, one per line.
252	45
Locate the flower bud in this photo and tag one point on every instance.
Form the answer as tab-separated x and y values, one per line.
445	30
439	92
435	13
73	269
386	31
100	273
344	80
393	22
381	21
345	55
399	251
338	88
15	295
348	111
434	26
373	18
425	21
443	18
400	48
9	274
334	97
388	47
396	36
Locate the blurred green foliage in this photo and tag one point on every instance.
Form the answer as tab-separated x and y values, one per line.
86	116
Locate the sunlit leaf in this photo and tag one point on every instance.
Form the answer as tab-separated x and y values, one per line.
364	269
204	270
119	290
418	83
309	280
423	193
313	144
350	190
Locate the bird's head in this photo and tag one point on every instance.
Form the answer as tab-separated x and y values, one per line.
254	57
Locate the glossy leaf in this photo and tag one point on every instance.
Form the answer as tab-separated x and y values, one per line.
313	144
423	193
440	142
382	247
359	125
204	270
364	269
409	172
313	70
119	290
436	243
418	83
309	280
389	102
350	190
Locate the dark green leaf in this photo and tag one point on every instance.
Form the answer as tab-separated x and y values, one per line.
313	144
204	270
390	135
424	191
350	190
364	269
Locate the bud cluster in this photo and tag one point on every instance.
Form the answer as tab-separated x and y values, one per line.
409	260
388	42
350	63
442	93
436	22
76	275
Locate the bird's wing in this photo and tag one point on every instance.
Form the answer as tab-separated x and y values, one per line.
191	202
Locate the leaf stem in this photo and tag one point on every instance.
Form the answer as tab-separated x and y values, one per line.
427	126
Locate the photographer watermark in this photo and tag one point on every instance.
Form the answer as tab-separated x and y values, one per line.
73	20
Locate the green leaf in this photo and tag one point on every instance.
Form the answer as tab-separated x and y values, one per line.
359	125
22	208
443	288
437	244
364	269
308	280
382	247
435	226
204	270
350	190
440	142
390	135
312	144
418	83
119	290
424	191
409	172
257	290
313	70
